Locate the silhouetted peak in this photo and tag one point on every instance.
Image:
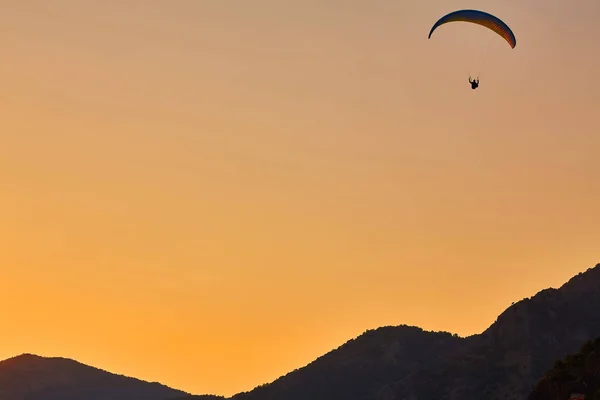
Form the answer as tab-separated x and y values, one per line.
585	285
396	332
33	362
22	360
584	282
387	338
57	378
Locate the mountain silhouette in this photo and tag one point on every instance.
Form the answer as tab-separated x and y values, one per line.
30	377
389	363
357	369
513	353
576	374
406	363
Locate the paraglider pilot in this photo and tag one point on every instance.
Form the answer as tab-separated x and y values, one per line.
474	83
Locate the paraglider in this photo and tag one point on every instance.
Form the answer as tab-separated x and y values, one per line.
474	83
480	18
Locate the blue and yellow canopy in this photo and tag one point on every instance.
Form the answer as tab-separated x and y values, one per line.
480	18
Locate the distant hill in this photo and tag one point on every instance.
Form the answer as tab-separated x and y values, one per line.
390	363
577	373
359	368
403	363
513	354
30	377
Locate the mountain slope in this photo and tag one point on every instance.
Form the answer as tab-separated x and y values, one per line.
30	377
389	363
403	363
577	373
359	367
513	353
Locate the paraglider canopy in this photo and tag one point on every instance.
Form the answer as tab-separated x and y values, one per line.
480	18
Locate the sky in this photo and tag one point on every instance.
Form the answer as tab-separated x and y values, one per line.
210	193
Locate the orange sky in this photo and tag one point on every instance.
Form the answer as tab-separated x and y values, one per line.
210	194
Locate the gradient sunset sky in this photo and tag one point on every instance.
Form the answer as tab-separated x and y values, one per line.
212	193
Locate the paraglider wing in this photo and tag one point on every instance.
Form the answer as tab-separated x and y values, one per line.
479	18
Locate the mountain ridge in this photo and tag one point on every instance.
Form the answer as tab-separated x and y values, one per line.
404	362
514	357
32	377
